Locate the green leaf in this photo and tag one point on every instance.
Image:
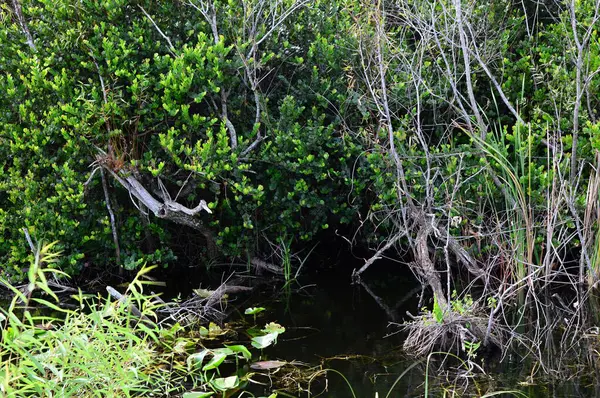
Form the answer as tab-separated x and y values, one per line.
50	305
438	313
196	358
261	342
214	329
240	349
215	362
225	383
273	327
197	394
254	310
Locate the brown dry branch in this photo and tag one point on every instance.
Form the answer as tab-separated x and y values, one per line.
205	307
426	334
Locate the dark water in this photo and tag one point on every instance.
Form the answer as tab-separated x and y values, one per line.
331	323
334	324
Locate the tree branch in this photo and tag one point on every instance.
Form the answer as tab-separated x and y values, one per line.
19	13
113	224
171	47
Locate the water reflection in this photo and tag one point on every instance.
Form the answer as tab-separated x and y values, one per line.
337	325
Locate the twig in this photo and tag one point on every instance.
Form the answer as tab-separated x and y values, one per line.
378	255
113	224
23	23
135	311
31	245
171	48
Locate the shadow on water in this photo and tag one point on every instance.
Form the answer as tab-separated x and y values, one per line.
333	324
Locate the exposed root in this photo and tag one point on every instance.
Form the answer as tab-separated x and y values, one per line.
456	330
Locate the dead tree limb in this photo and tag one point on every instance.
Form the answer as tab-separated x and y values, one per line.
379	254
19	13
215	298
269	267
425	266
582	49
171	47
167	209
131	308
113	224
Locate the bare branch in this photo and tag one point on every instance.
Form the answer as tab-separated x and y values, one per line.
113	224
171	47
379	254
467	66
29	241
19	13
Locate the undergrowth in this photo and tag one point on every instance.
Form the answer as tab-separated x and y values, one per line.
106	348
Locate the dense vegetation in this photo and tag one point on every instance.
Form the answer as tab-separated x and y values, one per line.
464	135
244	119
283	129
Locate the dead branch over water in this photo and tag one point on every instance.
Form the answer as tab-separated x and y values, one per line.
521	300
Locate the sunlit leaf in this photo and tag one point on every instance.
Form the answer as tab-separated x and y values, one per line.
261	342
196	358
240	349
273	327
215	362
254	310
203	331
225	383
197	394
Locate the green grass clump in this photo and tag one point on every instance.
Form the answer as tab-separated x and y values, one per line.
105	348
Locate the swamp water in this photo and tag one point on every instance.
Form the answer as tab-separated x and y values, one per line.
332	324
352	329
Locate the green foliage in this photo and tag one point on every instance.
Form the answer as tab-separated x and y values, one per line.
104	78
462	306
276	125
254	310
438	312
471	348
77	354
101	348
268	337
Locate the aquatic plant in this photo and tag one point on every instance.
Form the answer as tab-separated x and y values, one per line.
108	348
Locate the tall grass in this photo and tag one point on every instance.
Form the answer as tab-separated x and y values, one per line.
102	348
102	351
517	190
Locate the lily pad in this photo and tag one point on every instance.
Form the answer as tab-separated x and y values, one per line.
254	310
226	383
273	327
261	342
266	365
